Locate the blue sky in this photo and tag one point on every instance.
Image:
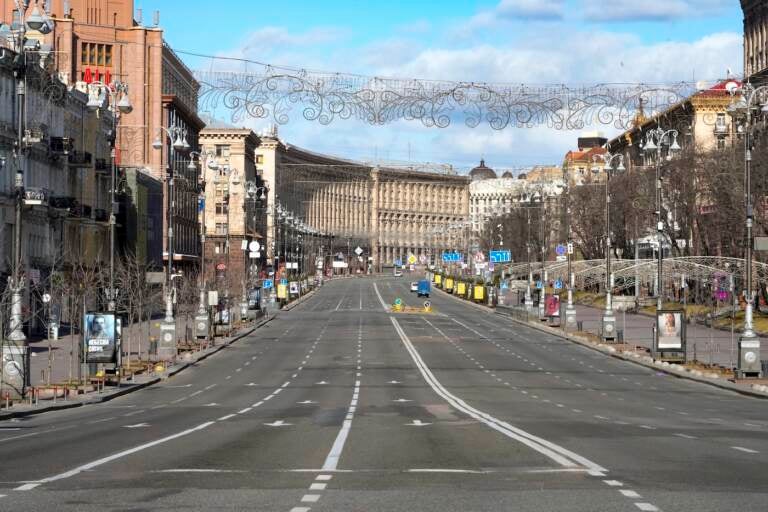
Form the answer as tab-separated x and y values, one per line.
520	41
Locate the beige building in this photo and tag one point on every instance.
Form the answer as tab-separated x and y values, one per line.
232	212
390	213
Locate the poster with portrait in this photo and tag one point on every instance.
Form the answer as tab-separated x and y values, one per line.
552	306
100	338
669	330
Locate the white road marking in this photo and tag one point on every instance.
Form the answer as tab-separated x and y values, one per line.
332	460
197	470
557	453
300	509
402	400
225	418
686	436
324	478
613	483
383	304
278	423
417	423
629	494
318	487
431	470
138	425
646	507
310	498
90	422
745	450
116	456
246	410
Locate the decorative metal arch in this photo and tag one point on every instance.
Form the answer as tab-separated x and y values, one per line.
269	91
592	272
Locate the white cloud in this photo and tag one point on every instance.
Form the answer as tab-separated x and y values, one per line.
651	10
531	9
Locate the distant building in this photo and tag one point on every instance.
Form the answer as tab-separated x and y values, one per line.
755	38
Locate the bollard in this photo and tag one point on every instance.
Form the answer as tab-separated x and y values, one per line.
579	325
55	392
7	400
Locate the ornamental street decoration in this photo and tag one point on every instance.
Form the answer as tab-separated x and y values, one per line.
266	91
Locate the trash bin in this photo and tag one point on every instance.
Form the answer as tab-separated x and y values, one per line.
579	325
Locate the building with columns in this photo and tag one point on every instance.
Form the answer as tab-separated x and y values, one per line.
389	212
755	38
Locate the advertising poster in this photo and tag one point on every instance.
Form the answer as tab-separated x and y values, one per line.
282	291
669	330
294	288
100	338
552	306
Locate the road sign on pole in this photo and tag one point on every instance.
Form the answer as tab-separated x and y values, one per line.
561	250
501	256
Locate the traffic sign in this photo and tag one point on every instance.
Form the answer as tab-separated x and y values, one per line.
560	250
411	259
358	251
284	281
501	256
398	301
427	304
398	262
539	285
561	258
254	246
558	285
267	284
570	248
423	258
452	257
221	266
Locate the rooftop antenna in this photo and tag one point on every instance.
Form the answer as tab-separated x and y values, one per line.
66	9
139	16
156	19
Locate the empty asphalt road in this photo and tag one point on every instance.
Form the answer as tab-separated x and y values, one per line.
339	405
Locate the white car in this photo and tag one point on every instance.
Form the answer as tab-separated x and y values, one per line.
414	286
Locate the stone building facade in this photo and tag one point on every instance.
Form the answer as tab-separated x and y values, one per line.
390	213
755	38
65	220
99	40
232	212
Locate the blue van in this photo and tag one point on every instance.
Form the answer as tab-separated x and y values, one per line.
423	289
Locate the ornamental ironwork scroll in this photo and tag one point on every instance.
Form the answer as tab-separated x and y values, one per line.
270	92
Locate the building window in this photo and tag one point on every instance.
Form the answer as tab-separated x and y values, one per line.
220	247
221	228
721	143
222	208
94	54
259	159
222	150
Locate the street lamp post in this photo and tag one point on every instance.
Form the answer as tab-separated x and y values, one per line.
743	109
178	142
119	103
655	140
609	319
202	320
17	34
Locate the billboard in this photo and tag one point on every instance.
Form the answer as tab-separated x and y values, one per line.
552	306
670	331
100	337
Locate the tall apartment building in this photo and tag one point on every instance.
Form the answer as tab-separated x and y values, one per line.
99	40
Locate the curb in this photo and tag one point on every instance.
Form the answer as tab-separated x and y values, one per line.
135	387
299	300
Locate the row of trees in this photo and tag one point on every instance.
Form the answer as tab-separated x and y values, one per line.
703	208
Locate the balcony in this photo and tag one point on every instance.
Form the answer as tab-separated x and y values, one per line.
62	202
81	210
61	145
80	159
100	215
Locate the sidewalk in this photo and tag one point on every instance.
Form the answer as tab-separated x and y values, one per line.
705	345
138	382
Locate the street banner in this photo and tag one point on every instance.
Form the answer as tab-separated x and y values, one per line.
282	291
100	338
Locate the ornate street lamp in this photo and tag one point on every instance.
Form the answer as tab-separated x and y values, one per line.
119	103
745	110
609	319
